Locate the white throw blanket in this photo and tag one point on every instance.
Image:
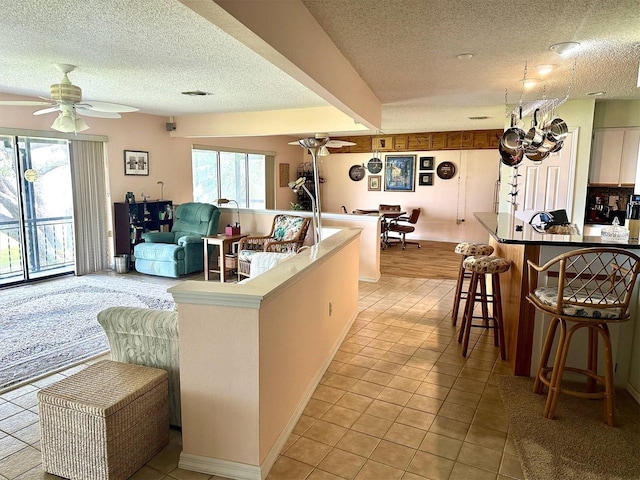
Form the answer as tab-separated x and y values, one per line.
263	261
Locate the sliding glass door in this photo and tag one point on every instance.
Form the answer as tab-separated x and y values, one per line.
36	209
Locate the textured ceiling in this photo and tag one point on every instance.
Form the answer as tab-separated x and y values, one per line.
145	52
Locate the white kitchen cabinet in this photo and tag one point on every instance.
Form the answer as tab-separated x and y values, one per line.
614	156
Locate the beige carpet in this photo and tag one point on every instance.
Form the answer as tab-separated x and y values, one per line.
577	443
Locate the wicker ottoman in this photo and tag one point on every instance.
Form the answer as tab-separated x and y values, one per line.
104	422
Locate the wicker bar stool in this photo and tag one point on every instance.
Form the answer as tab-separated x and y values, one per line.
595	286
479	266
466	249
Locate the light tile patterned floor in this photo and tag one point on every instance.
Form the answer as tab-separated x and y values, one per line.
397	402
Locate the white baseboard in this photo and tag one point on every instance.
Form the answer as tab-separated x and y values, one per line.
369	279
634	393
243	471
223	468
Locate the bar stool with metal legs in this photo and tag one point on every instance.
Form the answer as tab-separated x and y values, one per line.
480	266
466	249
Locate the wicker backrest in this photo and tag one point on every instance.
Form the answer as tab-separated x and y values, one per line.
593	277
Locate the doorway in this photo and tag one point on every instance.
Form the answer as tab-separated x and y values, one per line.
36	209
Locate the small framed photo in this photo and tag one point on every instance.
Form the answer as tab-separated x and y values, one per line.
426	163
375	183
136	163
383	144
425	178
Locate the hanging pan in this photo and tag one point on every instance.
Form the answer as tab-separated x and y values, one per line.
511	158
534	137
557	130
537	156
513	137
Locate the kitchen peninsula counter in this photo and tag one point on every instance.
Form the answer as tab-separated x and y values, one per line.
516	240
508	229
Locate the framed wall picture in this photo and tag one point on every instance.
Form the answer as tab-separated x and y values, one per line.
375	184
284	174
136	163
399	173
382	143
426	163
425	178
446	170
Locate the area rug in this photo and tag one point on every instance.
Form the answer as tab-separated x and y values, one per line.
50	325
576	443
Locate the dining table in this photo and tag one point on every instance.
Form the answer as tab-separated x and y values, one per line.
387	215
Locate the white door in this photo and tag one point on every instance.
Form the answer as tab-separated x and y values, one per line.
548	185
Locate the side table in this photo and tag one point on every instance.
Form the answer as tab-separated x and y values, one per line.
224	243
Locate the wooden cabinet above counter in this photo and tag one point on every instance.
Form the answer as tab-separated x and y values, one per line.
615	154
410	142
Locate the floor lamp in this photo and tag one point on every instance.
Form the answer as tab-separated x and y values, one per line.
316	146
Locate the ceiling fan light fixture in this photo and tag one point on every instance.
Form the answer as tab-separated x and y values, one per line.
68	122
563	47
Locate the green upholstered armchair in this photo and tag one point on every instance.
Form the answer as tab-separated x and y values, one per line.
180	251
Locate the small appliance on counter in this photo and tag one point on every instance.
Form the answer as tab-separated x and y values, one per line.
633	216
603	210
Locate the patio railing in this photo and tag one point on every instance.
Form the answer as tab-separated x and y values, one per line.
50	245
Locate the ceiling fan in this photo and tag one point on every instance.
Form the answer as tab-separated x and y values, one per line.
320	142
66	98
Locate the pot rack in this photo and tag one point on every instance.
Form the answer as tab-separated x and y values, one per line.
544	105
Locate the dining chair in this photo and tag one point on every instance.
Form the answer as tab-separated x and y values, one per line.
384	227
594	288
395	226
389	208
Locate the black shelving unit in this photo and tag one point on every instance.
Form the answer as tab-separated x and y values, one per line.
305	170
131	220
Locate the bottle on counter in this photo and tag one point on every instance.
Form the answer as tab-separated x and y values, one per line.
633	215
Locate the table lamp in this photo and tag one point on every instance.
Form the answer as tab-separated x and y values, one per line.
230	229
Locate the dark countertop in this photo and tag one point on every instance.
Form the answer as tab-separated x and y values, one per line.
502	227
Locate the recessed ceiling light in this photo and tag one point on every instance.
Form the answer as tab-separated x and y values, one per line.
544	69
531	82
465	56
563	47
196	93
596	94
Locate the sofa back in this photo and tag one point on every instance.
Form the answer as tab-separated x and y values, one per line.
196	218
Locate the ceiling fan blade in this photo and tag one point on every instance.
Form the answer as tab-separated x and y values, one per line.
27	103
95	113
338	143
46	110
107	107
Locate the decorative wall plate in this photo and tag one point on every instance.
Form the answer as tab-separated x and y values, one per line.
356	173
374	165
446	170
